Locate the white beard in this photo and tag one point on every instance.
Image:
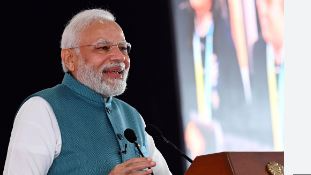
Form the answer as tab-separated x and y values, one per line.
107	87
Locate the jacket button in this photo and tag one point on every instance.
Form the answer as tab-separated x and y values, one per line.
108	110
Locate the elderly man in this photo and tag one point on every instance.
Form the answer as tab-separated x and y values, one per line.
77	127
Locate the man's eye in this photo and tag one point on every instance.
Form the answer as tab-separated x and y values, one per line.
105	48
123	48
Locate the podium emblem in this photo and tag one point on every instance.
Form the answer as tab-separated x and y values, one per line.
275	168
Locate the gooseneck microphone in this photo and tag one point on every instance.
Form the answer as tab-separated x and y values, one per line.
130	136
156	133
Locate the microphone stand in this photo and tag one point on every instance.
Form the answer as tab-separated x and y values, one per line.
177	149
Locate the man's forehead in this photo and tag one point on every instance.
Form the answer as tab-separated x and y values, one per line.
102	29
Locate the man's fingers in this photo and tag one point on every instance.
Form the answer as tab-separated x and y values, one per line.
139	164
134	166
138	159
145	172
139	167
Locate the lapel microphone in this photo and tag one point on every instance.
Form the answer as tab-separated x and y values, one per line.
130	136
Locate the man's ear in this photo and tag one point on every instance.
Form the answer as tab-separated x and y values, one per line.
68	59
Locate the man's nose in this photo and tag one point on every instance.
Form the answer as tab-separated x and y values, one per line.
119	56
117	53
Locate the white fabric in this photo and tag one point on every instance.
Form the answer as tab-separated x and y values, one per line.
36	141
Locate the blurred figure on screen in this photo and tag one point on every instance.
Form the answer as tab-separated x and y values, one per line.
219	88
268	65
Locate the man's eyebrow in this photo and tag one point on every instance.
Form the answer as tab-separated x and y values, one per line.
102	41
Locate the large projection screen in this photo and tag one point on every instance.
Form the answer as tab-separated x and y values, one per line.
231	74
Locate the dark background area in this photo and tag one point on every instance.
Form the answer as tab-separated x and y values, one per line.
30	56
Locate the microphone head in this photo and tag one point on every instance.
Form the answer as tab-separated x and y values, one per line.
130	135
153	131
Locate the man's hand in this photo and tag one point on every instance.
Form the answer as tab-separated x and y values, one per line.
135	166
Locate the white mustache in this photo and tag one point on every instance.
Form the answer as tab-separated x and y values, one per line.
105	67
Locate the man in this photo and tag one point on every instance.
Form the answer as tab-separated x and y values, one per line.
77	126
269	71
219	87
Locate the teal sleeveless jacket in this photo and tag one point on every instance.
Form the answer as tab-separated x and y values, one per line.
91	129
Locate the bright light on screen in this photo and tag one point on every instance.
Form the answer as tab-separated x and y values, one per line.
231	74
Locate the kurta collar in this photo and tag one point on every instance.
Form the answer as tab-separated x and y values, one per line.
84	90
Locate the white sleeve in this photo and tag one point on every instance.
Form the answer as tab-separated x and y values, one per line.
35	139
161	167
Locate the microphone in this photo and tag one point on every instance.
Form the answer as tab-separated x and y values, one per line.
156	133
130	136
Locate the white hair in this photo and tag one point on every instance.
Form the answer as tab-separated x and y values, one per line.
78	23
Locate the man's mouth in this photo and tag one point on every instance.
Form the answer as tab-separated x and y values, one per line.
114	72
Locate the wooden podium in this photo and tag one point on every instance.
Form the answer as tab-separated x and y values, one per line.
238	163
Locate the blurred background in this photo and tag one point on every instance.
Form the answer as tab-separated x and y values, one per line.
208	73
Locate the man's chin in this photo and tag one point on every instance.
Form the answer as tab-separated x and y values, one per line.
114	83
114	88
